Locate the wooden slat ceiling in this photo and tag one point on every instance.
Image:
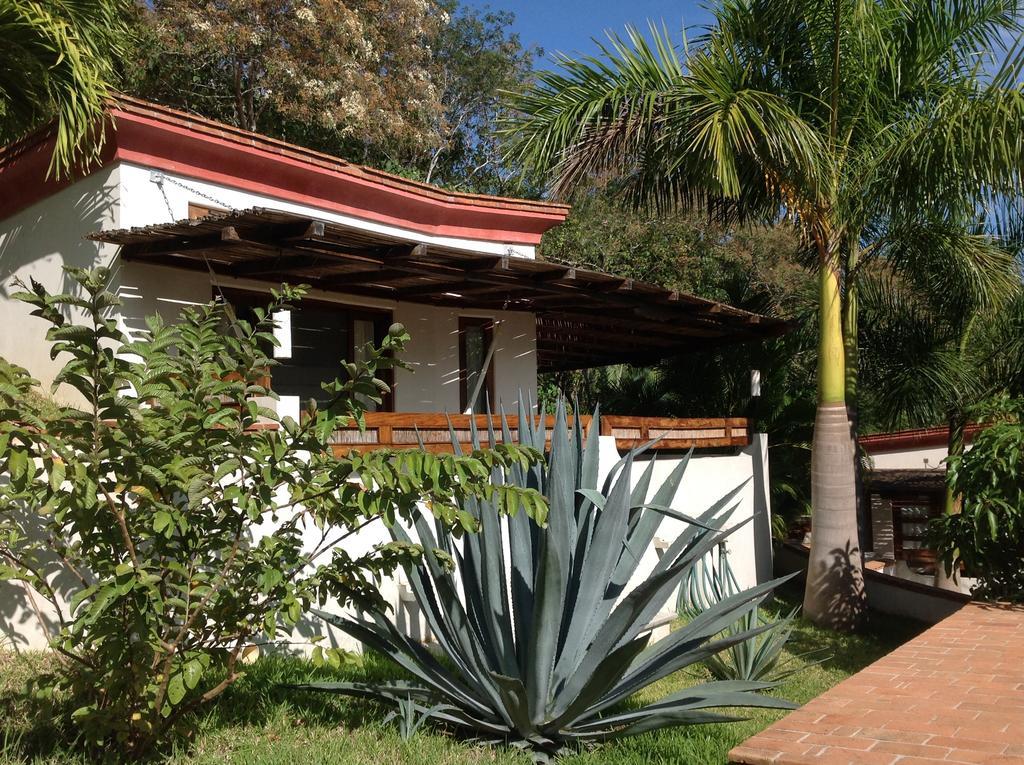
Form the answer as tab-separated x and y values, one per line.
584	318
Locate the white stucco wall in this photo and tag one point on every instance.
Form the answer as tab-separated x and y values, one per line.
38	241
432	385
432	382
707	479
911	459
35	244
147	202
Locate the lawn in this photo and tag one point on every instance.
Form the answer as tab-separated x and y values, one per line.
260	723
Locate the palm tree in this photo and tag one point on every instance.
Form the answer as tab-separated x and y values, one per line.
57	62
956	349
863	122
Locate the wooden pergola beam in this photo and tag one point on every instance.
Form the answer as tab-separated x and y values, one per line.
270	235
271	265
307	239
584	317
612	323
430	289
363	276
604	337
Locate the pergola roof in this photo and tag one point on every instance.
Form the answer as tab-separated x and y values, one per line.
584	318
908	480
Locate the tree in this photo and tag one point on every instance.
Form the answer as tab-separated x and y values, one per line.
172	520
760	268
870	126
333	76
475	58
933	354
678	249
987	536
409	87
58	62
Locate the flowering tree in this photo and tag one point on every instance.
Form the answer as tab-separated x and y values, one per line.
361	68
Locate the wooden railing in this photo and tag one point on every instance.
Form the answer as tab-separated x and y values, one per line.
402	430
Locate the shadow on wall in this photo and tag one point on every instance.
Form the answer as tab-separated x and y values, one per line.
37	243
847	604
28	620
762	521
55	229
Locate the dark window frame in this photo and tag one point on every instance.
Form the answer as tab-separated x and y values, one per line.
382	319
487	325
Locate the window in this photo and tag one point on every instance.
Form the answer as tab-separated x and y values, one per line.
476	336
323	334
910	517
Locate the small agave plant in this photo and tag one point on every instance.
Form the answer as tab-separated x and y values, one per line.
541	638
759	657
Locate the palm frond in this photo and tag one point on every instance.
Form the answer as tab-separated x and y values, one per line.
955	259
675	136
963	144
57	62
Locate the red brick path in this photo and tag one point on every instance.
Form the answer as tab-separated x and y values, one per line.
954	694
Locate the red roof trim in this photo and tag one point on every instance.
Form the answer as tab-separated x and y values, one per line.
912	439
175	142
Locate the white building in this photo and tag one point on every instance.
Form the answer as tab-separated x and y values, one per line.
189	210
904	489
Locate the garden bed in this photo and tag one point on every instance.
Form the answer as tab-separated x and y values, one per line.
259	723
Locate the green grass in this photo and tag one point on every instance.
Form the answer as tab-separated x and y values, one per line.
257	722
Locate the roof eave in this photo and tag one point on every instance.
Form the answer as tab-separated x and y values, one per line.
166	139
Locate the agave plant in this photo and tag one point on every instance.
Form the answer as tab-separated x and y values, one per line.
759	657
408	717
541	637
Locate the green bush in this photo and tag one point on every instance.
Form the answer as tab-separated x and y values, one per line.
541	636
142	514
987	535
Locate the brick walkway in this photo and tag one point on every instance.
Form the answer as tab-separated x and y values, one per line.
954	694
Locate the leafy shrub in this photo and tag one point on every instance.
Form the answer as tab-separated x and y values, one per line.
143	514
541	637
987	535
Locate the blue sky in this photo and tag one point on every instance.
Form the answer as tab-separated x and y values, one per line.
570	25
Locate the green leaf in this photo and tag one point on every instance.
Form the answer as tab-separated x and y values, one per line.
191	673
176	690
56	475
17	463
199	488
162	521
333	657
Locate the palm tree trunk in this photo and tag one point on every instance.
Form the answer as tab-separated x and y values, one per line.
851	353
834	596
